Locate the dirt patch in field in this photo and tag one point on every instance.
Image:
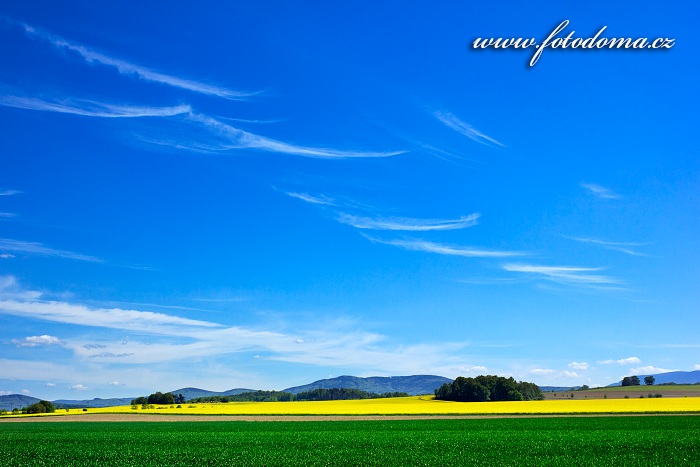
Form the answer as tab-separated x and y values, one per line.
287	418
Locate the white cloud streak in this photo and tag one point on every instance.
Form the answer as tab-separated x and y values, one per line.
115	318
430	247
624	247
234	138
35	248
402	223
601	192
88	108
130	69
10	192
563	274
622	361
317	199
7	215
465	129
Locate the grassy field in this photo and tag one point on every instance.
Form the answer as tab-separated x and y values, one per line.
628	441
619	392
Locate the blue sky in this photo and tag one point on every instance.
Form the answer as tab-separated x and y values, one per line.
264	195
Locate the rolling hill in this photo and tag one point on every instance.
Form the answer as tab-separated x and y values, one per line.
12	401
193	393
94	403
413	385
678	377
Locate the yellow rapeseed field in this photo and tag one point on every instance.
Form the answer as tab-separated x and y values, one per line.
418	405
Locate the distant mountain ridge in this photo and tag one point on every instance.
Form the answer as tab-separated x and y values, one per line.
18	401
93	403
558	388
194	393
413	385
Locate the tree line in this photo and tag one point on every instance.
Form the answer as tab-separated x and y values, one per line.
488	388
634	380
313	395
342	394
167	398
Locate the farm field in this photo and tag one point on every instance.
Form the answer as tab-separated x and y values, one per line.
619	392
629	441
417	405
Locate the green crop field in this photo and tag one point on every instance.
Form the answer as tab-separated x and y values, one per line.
626	440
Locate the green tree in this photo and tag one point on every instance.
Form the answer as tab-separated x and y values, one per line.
649	380
630	381
488	388
41	407
160	398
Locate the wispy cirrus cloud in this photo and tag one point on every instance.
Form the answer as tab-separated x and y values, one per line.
89	108
321	199
313	199
430	247
35	248
409	224
220	136
621	361
10	192
390	223
230	138
465	129
7	215
113	318
130	69
624	247
563	274
217	136
600	191
167	338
